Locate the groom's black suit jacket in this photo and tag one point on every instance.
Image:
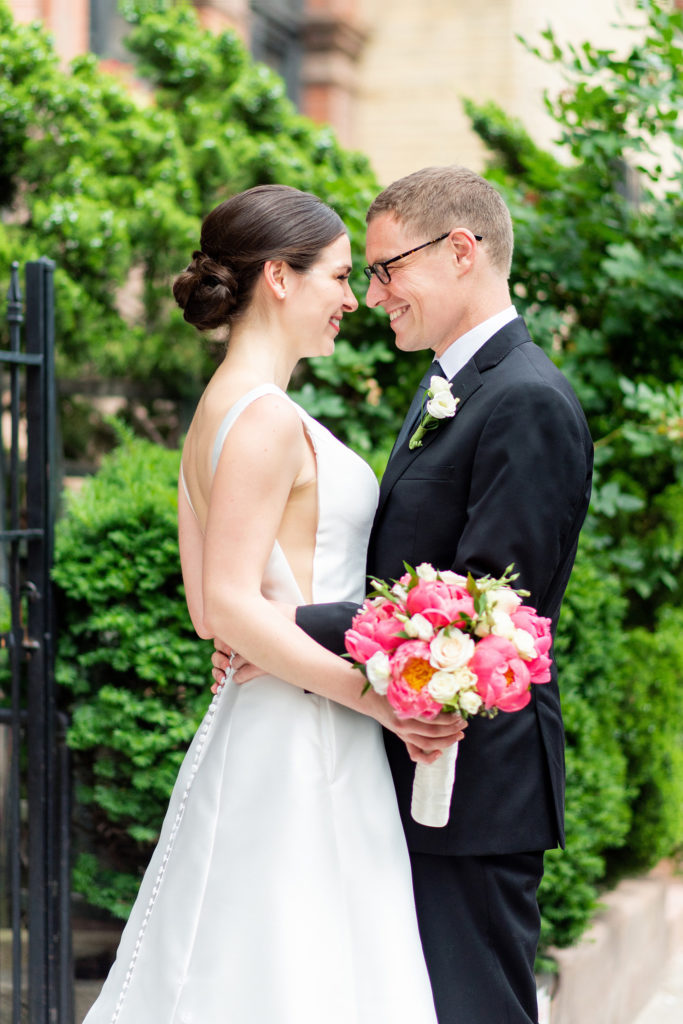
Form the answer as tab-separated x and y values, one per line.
507	479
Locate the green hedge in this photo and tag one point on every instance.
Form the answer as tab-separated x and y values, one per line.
135	675
589	649
136	681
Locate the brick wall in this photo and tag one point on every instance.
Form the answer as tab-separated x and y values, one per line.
67	20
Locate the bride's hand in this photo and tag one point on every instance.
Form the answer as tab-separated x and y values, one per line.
424	740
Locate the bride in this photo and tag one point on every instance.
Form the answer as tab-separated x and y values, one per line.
280	889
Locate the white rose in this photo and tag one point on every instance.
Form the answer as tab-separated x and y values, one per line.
400	591
506	600
442	405
502	624
443	687
524	642
419	627
453	577
451	649
465	679
426	572
379	671
498	623
470	702
437	384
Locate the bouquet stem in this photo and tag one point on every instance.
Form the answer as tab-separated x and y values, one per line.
432	789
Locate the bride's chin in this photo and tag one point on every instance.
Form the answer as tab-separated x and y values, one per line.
326	349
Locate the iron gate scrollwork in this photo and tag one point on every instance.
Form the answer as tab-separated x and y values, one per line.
36	978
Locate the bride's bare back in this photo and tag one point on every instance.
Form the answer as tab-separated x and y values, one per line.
296	532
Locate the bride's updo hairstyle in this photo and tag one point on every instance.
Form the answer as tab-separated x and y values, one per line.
268	222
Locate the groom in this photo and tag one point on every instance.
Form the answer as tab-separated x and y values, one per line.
505	480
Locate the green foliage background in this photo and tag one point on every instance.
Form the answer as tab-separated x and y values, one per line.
106	184
113	185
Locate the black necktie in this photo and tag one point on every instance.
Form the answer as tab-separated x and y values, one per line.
414	412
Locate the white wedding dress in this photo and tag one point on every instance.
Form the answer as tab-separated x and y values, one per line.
280	890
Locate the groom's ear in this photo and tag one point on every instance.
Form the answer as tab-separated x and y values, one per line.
275	275
463	247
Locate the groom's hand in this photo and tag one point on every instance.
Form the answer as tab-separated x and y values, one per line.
244	670
220	662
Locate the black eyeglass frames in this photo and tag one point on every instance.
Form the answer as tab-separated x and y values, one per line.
380	269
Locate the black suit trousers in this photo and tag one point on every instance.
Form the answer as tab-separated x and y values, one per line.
479	923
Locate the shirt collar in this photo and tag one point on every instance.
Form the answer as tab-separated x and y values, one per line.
462	350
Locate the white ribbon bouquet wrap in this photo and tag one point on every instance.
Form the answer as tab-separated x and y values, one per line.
435	641
433	789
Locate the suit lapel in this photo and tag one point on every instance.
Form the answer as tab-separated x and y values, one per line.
466	382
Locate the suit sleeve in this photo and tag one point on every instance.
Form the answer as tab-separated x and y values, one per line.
327	623
529	488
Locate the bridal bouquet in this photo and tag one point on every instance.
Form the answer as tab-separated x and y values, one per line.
437	641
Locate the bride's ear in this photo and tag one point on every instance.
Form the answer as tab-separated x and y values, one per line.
275	276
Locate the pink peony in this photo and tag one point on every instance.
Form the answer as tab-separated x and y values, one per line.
539	628
410	673
503	679
440	603
373	629
360	647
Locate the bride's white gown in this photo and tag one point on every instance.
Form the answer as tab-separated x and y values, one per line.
280	890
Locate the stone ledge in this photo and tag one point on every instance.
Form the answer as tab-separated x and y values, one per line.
614	969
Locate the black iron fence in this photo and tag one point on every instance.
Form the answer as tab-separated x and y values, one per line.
36	985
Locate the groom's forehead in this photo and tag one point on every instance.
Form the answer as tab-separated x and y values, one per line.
386	236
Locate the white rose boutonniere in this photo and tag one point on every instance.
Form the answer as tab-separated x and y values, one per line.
440	405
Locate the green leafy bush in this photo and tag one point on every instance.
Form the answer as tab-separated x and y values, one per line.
598	274
590	650
650	733
113	185
135	675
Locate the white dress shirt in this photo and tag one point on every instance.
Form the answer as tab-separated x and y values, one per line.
462	350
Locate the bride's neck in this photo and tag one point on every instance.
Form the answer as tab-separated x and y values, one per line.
259	354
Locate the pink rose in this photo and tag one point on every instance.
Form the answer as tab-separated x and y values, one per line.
539	628
410	672
373	629
440	603
503	679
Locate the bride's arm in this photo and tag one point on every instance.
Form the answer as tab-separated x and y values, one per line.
261	459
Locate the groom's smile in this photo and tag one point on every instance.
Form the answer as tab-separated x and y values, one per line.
419	295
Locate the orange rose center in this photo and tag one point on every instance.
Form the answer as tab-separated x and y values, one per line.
510	676
417	673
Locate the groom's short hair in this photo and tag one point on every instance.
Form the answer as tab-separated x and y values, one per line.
438	199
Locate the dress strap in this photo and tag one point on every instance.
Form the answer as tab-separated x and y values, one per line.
234	412
185	488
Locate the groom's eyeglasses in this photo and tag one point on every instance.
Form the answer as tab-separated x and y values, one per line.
381	271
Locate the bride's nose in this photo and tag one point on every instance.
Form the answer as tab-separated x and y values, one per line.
350	300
